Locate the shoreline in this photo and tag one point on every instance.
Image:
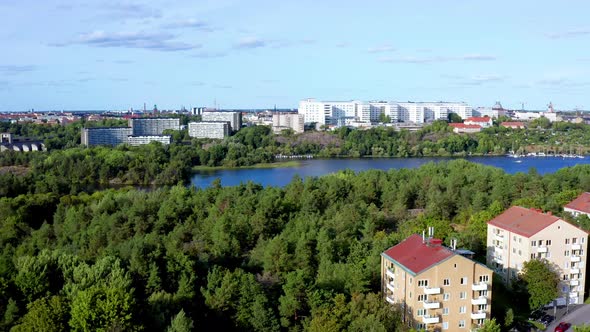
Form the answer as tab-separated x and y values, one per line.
280	164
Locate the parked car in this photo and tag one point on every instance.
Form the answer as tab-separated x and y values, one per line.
547	319
562	327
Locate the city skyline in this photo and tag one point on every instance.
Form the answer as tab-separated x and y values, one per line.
232	54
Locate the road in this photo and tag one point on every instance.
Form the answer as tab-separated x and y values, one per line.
580	316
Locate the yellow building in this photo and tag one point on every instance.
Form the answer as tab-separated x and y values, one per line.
437	287
520	234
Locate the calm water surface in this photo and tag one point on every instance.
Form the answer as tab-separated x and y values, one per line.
280	177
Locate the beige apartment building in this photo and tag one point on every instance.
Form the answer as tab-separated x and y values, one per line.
437	287
520	234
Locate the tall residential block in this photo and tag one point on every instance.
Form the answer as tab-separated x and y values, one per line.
209	129
293	121
339	113
521	234
153	126
105	135
234	118
437	288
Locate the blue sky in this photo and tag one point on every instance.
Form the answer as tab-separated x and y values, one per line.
255	54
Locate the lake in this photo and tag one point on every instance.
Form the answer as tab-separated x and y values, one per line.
280	177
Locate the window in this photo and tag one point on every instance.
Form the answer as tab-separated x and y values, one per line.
548	254
462	309
464	281
463	295
532	256
446	282
482	307
446	296
445	311
410	280
483	293
582	240
519	240
514	238
484	278
445	325
566	253
574	240
540	243
410	294
423	283
422	297
567	241
533	243
519	253
514	250
421	312
548	242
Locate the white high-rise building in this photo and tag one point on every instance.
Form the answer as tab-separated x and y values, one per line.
342	113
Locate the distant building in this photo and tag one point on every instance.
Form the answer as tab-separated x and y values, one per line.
293	121
513	124
580	205
153	126
141	140
105	135
209	129
341	113
198	110
5	138
437	287
521	234
234	118
484	122
460	128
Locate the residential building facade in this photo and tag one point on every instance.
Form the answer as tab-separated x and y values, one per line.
339	113
105	135
234	118
579	206
217	129
293	121
521	234
436	287
140	140
153	126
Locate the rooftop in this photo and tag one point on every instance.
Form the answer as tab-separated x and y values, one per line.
416	256
466	126
479	119
581	203
523	221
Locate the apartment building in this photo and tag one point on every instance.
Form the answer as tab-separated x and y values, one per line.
234	118
579	206
140	140
521	234
339	113
105	135
217	129
281	121
437	287
152	126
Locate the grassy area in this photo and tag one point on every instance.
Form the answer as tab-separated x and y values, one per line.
538	325
290	163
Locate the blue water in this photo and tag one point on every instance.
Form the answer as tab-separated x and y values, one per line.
280	177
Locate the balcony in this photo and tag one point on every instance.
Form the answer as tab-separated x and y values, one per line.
389	273
574	270
390	287
575	259
542	249
573	295
499	237
478	315
430	319
574	282
431	290
479	287
479	300
576	246
390	299
431	305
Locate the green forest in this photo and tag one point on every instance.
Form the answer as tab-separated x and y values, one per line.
300	258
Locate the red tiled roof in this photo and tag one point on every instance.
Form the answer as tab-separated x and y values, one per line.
523	221
512	124
416	256
462	125
478	119
581	203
